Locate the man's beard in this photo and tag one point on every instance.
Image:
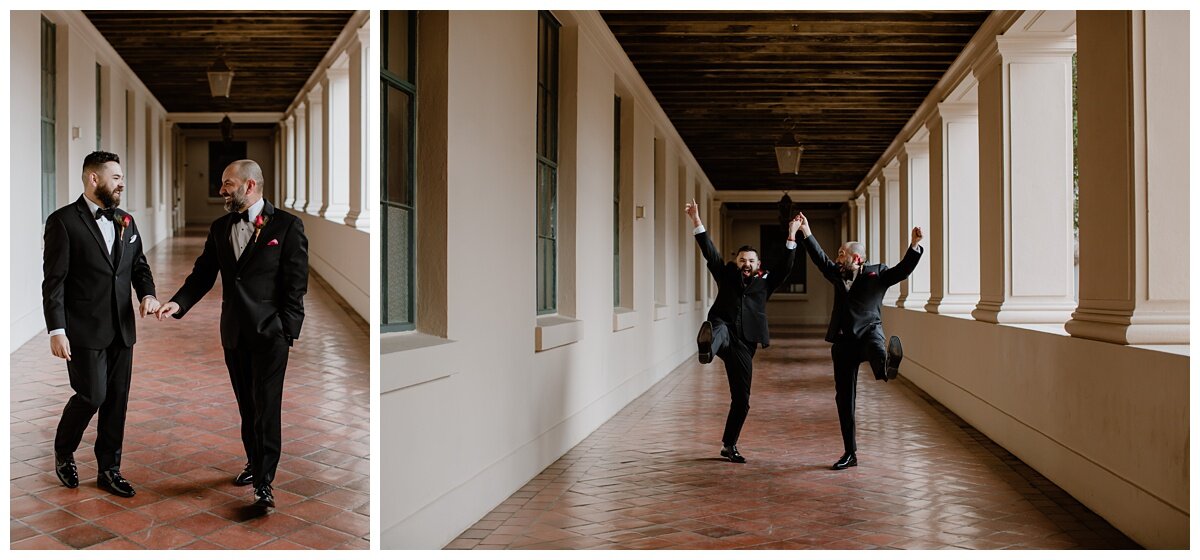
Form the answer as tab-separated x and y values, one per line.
108	197
237	200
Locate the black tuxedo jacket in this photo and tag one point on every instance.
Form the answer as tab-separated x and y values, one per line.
856	311
263	291
84	289
743	306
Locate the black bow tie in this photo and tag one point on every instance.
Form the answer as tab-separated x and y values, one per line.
108	212
243	216
847	275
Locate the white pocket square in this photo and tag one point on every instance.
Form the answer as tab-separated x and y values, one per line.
134	238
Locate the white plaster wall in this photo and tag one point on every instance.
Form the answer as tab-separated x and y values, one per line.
492	410
341	255
1107	423
80	48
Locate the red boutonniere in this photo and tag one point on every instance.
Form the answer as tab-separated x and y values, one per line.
125	221
761	273
259	222
871	275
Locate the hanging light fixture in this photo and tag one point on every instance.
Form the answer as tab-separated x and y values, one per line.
788	151
785	209
220	78
227	129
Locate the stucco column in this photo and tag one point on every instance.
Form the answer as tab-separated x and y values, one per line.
914	208
890	228
1133	165
861	220
953	232
300	162
337	137
358	216
316	150
1025	176
852	220
289	156
873	222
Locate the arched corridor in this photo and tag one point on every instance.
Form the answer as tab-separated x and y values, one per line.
650	477
182	443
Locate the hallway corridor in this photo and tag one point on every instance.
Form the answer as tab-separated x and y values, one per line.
182	445
651	478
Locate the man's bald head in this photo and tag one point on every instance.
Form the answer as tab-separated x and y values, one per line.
241	185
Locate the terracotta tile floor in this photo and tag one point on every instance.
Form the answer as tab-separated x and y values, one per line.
651	477
182	444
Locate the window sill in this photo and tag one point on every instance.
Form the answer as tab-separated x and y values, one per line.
682	307
661	311
553	331
624	318
412	358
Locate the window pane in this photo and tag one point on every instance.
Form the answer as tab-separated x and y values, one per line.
399	274
397	44
397	134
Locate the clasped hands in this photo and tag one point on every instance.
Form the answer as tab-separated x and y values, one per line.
151	306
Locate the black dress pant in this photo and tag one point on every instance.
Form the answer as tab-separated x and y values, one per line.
100	379
738	356
256	371
848	352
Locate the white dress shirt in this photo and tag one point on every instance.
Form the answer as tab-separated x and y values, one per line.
243	231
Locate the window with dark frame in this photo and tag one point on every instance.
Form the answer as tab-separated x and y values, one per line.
398	91
547	164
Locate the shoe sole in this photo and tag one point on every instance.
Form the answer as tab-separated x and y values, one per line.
895	355
704	342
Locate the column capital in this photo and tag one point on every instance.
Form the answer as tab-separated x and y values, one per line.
873	187
314	94
1030	48
958	111
891	171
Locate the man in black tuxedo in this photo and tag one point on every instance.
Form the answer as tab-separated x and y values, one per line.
737	321
93	255
855	326
262	255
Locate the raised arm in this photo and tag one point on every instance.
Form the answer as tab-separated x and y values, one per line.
829	269
710	252
774	281
909	263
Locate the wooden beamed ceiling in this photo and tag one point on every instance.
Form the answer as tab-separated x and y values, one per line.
272	53
849	81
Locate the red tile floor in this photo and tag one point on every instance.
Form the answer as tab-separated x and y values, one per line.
182	444
651	477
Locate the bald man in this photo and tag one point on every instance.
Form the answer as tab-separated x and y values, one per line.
262	255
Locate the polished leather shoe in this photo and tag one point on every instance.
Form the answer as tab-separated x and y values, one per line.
848	460
895	354
731	452
244	479
66	472
263	497
112	481
704	342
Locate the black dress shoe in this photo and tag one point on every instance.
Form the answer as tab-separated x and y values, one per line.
112	481
66	471
263	497
704	342
731	452
848	460
244	479
895	354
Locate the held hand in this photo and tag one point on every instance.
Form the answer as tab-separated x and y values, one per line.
693	211
167	309
803	224
794	225
150	306
60	347
917	236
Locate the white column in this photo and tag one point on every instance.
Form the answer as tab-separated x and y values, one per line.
874	253
852	217
953	232
359	215
289	153
861	219
326	149
338	203
316	150
1133	165
914	208
300	163
890	228
1025	176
